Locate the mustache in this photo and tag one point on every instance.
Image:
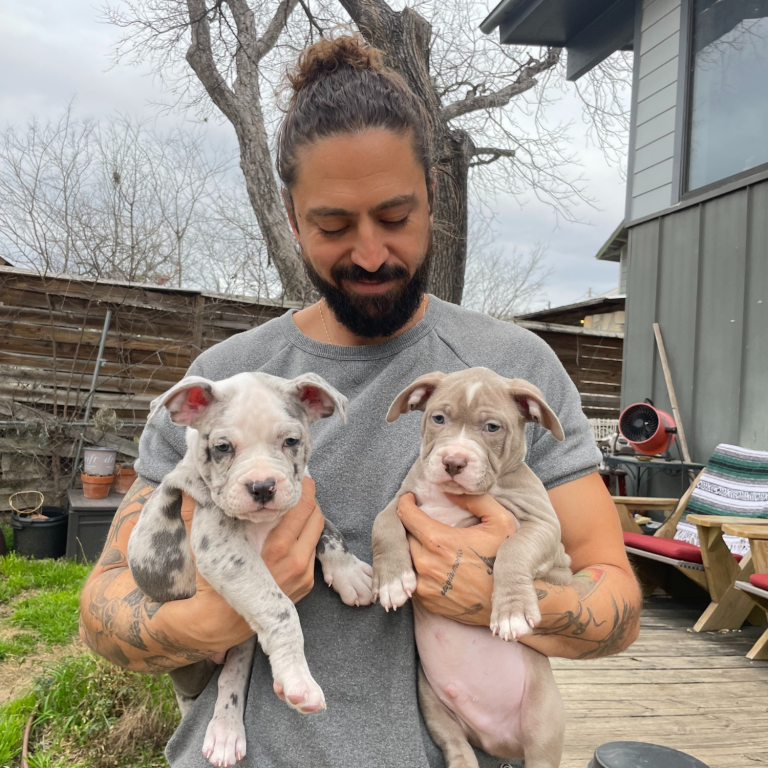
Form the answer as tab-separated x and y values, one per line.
355	273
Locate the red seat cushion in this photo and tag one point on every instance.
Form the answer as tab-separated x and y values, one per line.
677	550
759	580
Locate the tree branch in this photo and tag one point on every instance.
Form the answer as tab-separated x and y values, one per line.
200	58
524	82
269	39
495	152
312	20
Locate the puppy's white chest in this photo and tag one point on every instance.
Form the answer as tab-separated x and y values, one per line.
439	507
256	533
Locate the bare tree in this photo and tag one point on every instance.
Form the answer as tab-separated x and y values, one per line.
498	284
120	200
487	102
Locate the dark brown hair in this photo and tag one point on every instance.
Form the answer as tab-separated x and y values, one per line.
341	85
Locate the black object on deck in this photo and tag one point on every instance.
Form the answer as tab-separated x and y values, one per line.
637	754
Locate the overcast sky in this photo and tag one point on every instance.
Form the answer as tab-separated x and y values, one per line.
51	52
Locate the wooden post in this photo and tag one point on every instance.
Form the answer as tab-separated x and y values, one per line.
672	396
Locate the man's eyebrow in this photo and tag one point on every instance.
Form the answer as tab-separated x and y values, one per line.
393	202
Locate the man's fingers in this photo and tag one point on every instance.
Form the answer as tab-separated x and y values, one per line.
187	512
418	523
485	507
310	534
292	524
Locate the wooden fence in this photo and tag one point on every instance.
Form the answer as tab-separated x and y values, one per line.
50	328
592	359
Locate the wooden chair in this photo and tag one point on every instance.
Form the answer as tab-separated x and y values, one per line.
711	566
757	585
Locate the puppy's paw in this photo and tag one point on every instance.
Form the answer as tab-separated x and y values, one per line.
224	741
395	593
514	617
351	578
298	689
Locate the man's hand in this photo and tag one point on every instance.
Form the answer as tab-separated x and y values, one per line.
289	551
454	566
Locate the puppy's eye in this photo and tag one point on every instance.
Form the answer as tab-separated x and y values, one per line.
491	427
223	447
438	418
291	441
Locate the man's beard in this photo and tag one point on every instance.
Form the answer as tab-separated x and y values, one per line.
373	315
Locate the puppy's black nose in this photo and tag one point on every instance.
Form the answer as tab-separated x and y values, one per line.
454	464
262	490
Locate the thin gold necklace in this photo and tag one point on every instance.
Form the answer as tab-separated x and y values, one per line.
322	317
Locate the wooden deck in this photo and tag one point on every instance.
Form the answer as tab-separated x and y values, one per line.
694	692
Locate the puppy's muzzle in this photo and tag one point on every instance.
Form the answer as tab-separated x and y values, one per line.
454	464
262	490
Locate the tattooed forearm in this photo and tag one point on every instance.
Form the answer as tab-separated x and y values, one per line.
116	617
597	614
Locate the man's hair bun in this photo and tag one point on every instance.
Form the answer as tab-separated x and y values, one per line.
331	54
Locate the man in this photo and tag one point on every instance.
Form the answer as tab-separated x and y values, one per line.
358	193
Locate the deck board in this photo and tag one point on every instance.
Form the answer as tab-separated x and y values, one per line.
694	692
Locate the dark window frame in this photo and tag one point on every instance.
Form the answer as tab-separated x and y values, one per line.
681	157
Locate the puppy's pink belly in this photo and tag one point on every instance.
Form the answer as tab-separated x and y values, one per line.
479	677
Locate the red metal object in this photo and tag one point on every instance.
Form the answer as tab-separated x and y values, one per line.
650	431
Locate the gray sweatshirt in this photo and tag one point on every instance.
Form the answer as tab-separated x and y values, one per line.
365	658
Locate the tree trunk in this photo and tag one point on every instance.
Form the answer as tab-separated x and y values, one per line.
405	37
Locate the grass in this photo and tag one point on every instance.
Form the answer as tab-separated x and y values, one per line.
87	712
50	615
90	713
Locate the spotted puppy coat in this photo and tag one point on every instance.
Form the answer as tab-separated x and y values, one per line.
248	443
475	689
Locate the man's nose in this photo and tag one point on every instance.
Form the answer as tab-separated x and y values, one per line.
369	251
454	464
262	490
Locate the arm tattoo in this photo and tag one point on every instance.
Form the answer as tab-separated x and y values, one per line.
577	623
125	620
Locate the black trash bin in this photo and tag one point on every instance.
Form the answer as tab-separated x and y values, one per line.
41	537
637	754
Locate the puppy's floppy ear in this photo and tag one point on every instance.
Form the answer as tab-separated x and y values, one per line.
318	398
533	407
187	402
414	397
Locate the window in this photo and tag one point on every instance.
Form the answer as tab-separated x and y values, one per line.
729	94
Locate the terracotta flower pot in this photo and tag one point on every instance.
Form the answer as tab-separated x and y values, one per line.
124	478
95	486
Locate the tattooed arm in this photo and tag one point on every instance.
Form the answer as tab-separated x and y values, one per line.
123	625
596	615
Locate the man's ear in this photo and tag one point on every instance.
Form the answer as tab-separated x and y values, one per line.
290	210
187	402
317	397
533	407
414	397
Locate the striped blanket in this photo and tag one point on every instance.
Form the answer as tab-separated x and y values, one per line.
735	484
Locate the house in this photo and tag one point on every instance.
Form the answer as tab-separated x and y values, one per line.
588	339
694	243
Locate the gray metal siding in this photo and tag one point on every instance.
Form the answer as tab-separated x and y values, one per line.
650	186
702	274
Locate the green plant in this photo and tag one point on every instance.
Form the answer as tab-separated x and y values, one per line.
19	573
90	713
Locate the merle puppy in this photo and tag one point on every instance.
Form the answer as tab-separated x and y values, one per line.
248	443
